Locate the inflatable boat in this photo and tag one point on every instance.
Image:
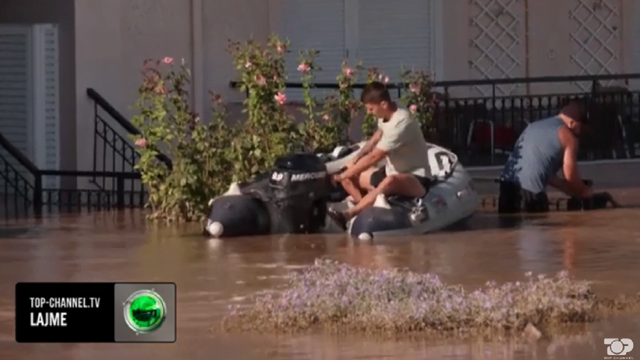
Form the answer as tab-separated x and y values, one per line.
293	198
452	199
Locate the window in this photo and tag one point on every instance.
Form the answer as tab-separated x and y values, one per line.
384	34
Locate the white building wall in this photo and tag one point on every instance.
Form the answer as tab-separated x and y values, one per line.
112	47
543	30
103	45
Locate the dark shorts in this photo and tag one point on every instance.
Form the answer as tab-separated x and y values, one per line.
380	174
514	199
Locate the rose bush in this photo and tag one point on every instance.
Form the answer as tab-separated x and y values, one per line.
168	125
420	100
208	154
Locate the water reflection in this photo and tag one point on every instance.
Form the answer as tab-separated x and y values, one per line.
210	274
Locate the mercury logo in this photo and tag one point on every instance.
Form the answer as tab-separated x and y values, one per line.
308	176
145	311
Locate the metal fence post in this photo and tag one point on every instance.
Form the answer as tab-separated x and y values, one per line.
120	191
37	193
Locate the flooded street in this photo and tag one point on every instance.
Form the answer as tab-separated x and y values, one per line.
600	246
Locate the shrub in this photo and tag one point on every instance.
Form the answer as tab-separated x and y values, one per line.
420	100
330	295
320	131
168	125
208	155
269	131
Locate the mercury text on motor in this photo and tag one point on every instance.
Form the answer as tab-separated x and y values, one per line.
277	176
309	176
59	318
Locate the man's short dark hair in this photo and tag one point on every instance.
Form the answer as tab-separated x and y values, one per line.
375	93
576	109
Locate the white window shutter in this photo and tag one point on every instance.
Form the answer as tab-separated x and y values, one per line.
392	34
15	97
313	25
635	67
14	92
51	104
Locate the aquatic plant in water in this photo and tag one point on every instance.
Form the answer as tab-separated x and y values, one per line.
333	295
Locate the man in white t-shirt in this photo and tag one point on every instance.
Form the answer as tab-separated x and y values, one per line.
399	139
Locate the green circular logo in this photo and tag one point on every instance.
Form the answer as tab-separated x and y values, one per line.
145	311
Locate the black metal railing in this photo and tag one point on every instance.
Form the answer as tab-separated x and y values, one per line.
120	197
17	178
24	191
113	152
483	129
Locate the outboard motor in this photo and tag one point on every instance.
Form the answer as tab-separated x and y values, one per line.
298	190
292	198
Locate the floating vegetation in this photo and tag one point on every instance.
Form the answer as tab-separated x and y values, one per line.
336	296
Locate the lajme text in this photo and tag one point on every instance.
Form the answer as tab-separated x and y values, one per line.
58	318
49	319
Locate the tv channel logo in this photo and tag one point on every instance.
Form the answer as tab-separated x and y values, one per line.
145	312
618	347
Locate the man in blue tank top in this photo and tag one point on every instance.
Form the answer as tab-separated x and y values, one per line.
545	147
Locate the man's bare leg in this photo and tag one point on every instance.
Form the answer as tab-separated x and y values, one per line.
398	184
351	186
356	186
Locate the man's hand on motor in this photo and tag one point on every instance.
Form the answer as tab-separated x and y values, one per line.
336	179
352	162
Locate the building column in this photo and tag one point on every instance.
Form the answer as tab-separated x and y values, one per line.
197	67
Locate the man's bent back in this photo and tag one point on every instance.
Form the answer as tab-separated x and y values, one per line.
536	156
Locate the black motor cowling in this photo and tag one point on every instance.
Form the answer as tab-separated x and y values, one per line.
298	189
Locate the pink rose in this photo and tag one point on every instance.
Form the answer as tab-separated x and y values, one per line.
280	98
304	68
168	60
142	142
261	80
349	72
326	117
413	108
386	79
414	87
281	49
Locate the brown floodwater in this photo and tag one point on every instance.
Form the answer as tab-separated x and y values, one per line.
602	246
